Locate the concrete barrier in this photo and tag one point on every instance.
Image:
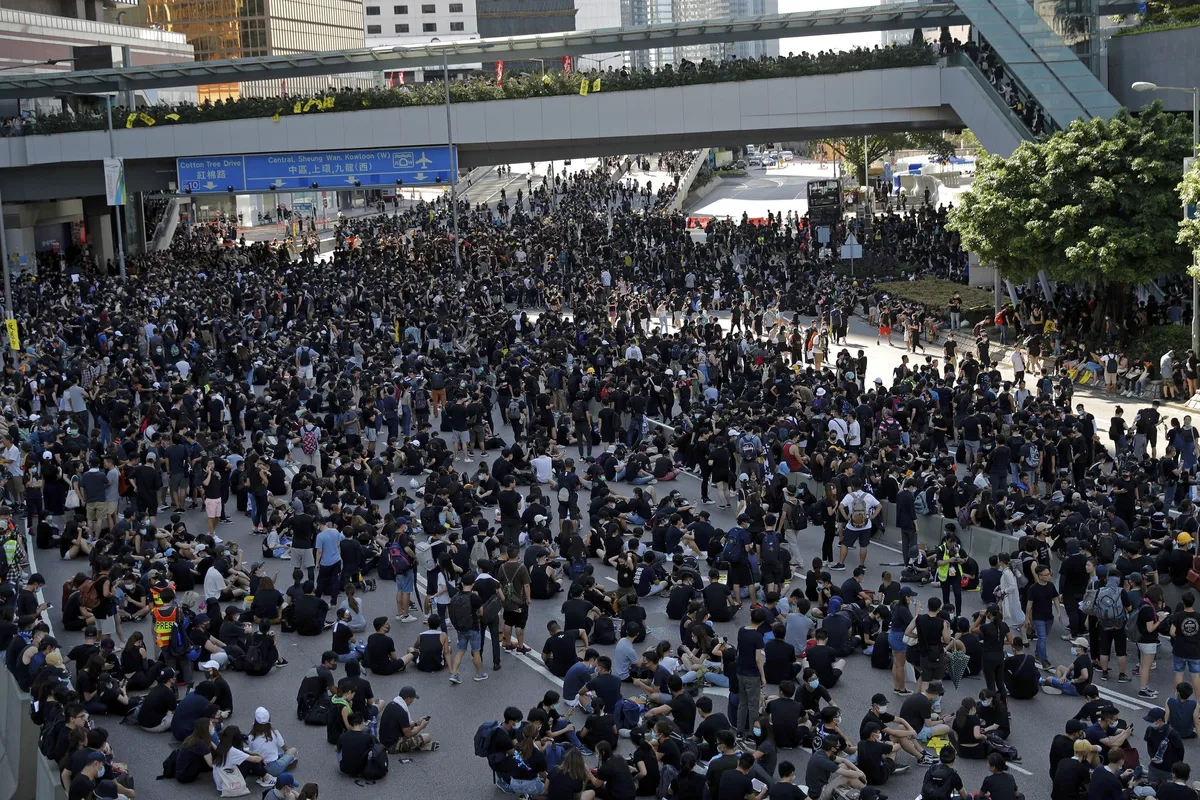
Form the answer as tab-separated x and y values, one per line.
25	774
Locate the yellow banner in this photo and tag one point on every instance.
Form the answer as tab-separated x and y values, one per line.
311	104
14	336
396	332
147	119
329	103
172	117
276	117
596	85
129	120
546	79
583	88
298	107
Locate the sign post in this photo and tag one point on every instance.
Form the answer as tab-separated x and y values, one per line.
851	249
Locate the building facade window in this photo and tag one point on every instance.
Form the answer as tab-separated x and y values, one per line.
372	11
428	8
429	27
456	26
456	8
399	10
402	28
373	29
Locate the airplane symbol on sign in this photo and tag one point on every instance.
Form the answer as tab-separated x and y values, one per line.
423	161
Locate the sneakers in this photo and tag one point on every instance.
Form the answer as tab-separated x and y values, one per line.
583	751
708	502
266	781
902	692
1148	693
1048	689
468	459
928	759
1123	678
407	618
454	678
524	649
1104	675
839	567
901	769
483	676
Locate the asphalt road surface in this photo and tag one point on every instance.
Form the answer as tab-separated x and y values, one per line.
457	710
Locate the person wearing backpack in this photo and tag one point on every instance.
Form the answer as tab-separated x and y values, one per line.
465	612
770	564
942	781
859	509
1113	605
309	443
515	592
305	357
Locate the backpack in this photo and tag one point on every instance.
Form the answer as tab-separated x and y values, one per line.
921	504
1132	631
230	782
891	429
462	616
938	783
748	450
770	547
1018	569
491	610
420	400
483	738
1034	459
627	714
425	559
1110	611
308	440
514	410
1106	547
578	411
305	357
479	552
178	643
858	510
399	560
734	550
604	631
513	598
376	766
89	592
48	738
995	744
257	662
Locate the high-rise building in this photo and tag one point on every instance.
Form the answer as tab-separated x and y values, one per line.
410	22
225	29
593	15
500	18
747	9
643	13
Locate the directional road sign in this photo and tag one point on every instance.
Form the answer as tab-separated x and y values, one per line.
329	170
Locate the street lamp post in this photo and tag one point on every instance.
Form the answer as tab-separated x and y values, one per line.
1147	86
454	164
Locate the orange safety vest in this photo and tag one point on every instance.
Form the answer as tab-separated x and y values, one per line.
163	624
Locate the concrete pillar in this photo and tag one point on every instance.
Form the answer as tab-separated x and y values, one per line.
135	225
98	217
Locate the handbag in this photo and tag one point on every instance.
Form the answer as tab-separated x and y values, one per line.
1193	576
230	782
72	497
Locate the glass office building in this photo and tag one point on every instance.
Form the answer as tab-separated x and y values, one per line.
228	29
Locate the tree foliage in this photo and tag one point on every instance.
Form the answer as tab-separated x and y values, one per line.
850	148
1189	194
1096	202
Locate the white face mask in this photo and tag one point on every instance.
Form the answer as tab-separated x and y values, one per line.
883	709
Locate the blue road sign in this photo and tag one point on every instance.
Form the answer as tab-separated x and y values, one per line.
329	170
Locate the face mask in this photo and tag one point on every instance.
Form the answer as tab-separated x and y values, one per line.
985	703
100	774
757	731
814	684
883	709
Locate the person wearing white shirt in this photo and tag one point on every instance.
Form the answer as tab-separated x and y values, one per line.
183	368
839	428
633	353
267	742
606	278
543	467
853	433
1018	363
859	524
16	467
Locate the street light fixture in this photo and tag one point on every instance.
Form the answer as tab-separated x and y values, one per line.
453	163
1147	86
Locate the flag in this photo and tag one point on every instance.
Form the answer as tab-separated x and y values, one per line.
172	117
596	85
583	88
129	120
320	104
568	65
298	107
146	119
396	332
546	79
499	72
276	117
329	101
401	74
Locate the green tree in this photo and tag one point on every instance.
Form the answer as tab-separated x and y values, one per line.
850	148
1096	202
1189	229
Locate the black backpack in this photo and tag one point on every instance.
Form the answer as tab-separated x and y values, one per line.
48	738
305	357
377	763
938	783
604	631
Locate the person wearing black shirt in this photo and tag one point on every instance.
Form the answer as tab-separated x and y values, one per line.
158	707
1000	784
876	756
736	783
679	705
822	658
1074	773
308	612
353	747
381	655
786	715
83	785
785	788
559	652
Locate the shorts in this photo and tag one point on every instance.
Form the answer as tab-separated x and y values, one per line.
109	625
212	508
518	618
408	744
178	481
303	558
109	509
461	437
305	373
932	667
885	330
95	513
370	434
1149	648
470	640
896	641
405	582
925	734
1191	665
771	573
863	536
740	575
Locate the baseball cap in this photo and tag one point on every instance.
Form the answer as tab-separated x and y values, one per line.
284	780
879	699
262	716
1082	746
1081	641
1155	714
908	591
1075	726
210	665
106	790
1184	538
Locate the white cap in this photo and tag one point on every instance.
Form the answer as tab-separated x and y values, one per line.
538	519
210	665
262	716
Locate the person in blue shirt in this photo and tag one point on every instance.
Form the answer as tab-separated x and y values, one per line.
576	679
197	705
329	561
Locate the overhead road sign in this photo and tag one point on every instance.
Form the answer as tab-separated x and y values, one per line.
331	170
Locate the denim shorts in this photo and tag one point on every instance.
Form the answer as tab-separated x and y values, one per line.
470	641
896	641
406	582
1191	665
926	734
